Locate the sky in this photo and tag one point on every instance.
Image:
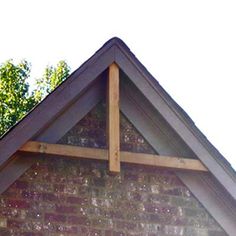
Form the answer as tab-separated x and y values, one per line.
188	46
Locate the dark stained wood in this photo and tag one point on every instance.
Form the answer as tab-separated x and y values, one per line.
71	116
15	167
175	117
13	170
165	136
113	114
141	120
55	103
194	184
213	198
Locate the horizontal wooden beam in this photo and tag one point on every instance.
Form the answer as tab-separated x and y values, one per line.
102	154
162	161
65	150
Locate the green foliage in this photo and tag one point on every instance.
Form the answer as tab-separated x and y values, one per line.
15	99
53	76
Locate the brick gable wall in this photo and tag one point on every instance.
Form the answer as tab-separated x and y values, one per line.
91	132
79	197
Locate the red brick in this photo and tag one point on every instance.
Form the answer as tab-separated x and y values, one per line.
10	193
160	209
54	217
67	229
117	214
34	214
59	187
21	204
154	218
83	230
126	225
114	233
131	176
31	195
137	217
49	197
108	233
77	200
14	223
99	182
21	184
78	220
95	232
65	209
31	234
5	232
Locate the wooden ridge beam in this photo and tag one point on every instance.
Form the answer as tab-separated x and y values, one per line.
102	154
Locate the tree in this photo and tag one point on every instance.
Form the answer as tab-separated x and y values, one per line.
53	76
15	99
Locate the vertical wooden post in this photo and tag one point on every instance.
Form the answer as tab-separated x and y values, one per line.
113	119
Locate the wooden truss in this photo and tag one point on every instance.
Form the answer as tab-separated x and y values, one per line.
113	154
102	154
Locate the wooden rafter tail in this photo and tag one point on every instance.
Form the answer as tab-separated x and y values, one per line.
113	119
102	154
